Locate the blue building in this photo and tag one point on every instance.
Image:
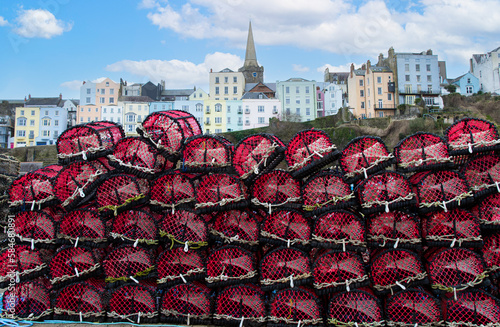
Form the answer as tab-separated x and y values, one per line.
467	84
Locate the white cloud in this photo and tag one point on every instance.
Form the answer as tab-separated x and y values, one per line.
40	23
72	85
147	4
3	21
99	80
340	68
300	68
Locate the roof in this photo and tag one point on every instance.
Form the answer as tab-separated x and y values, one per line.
56	102
178	92
383	69
135	98
250	86
254	95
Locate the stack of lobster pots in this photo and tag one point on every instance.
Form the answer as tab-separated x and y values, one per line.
178	227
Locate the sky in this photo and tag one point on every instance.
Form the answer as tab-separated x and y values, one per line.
49	47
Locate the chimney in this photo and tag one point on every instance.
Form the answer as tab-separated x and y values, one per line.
380	59
29	96
352	69
60	96
368	64
363	67
211	70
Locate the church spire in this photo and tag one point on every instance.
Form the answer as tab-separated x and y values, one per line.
251	70
250	56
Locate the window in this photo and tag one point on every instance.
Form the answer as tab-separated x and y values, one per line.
218	107
218	120
111	91
287	110
319	97
429	78
139	107
46	133
107	83
102	100
287	89
275	109
235	79
111	110
297	111
32	112
380	103
217	90
287	101
56	134
240	121
139	119
308	100
226	90
88	119
96	110
308	111
111	100
199	107
407	67
226	79
260	108
381	114
247	109
297	89
130	119
297	101
389	96
130	128
88	92
46	112
218	130
379	79
185	108
368	81
362	105
21	133
21	122
417	67
89	109
46	122
407	78
88	100
32	122
103	110
57	112
207	110
229	120
261	120
429	88
468	89
103	91
360	82
307	89
22	112
418	78
56	122
379	90
407	88
247	122
254	74
81	119
228	109
217	80
235	90
361	93
428	67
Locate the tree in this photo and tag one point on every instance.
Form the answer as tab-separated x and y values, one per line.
451	88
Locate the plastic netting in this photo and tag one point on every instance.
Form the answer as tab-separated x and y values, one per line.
177	266
186	304
35	228
393	270
257	154
207	153
309	151
28	300
473	308
471	135
128	263
33	191
132	303
285	267
229	265
385	191
326	191
237	227
491	255
356	305
413	307
79	302
455	228
241	305
134	227
220	192
293	307
184	229
83	227
483	174
422	151
339	229
393	230
20	263
70	264
88	141
488	212
172	190
167	130
275	190
286	228
337	270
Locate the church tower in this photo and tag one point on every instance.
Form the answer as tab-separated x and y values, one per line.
251	70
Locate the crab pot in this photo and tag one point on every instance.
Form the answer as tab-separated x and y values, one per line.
394	229
176	266
172	191
240	305
28	300
482	174
188	304
473	308
88	141
238	227
79	302
35	228
135	227
491	255
355	305
83	227
229	265
207	154
471	135
413	307
220	192
276	190
286	228
27	264
132	303
184	229
128	264
296	306
488	212
71	264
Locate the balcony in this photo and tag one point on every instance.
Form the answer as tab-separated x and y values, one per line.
384	108
417	92
275	112
240	111
207	123
247	111
240	123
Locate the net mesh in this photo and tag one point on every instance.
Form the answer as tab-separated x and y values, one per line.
339	230
482	174
132	303
285	267
220	192
207	153
471	135
240	303
35	228
236	227
27	301
79	302
422	151
186	304
21	263
285	228
277	189
32	191
172	190
356	305
394	229
120	192
184	229
127	263
474	308
491	255
488	212
292	306
71	264
134	227
177	266
83	227
413	306
230	265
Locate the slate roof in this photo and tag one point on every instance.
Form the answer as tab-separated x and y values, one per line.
135	98
254	95
41	102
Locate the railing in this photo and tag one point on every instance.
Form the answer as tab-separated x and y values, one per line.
417	92
384	108
240	111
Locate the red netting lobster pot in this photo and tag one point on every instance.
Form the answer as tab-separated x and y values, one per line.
79	302
237	227
121	192
132	303
220	192
339	229
257	154
184	229
455	228
394	229
135	227
336	271
393	270
356	305
167	130
229	265
135	155
172	190
83	227
326	191
128	263
491	255
176	266
277	189
207	153
413	307
421	152
285	267
309	151
442	190
483	174
33	191
35	228
471	135
88	141
456	269
241	305
286	228
488	212
186	304
71	264
473	308
364	156
20	263
27	301
295	307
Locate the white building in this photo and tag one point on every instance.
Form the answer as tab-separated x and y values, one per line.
486	68
334	98
112	113
258	109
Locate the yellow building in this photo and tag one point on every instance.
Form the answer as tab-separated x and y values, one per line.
27	126
214	116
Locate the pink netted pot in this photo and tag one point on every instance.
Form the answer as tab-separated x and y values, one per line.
237	227
128	264
394	229
207	153
220	192
172	191
276	190
471	135
176	266
132	303
80	301
357	305
491	255
482	174
35	228
21	263
84	227
184	229
296	306
240	305
413	307
28	300
134	226
71	264
286	228
187	304
488	212
474	308
229	265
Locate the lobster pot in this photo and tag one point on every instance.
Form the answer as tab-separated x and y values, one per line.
296	306
308	151
257	154
413	307
27	301
456	269
20	263
79	302
238	227
482	174
135	155
285	267
207	153
473	308
127	263
172	191
394	229
356	305
470	136
56	212
83	227
71	264
240	305
184	229
167	130
276	190
286	228
422	152
336	271
9	170
491	255
121	192
220	192
187	304
488	212
394	270
229	265
326	191
442	190
364	156
132	303
135	227
176	266
88	141
455	228
340	230
35	228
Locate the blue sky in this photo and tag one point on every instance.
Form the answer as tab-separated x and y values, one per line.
50	46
